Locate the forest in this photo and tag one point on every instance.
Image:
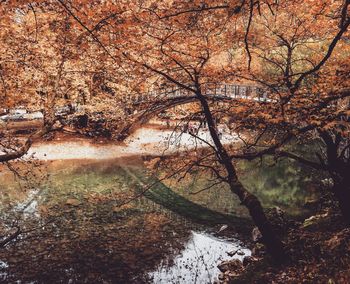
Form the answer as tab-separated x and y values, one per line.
175	141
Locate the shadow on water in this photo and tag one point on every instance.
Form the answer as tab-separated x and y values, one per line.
169	199
76	232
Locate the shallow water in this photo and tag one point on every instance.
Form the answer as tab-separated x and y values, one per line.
197	262
78	232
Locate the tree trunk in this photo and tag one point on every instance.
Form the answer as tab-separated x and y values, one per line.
338	164
342	193
273	244
270	239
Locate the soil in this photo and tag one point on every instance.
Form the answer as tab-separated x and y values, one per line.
318	251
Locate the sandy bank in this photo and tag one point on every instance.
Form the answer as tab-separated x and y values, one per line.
144	141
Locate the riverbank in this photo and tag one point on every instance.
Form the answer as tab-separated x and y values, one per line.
145	141
318	249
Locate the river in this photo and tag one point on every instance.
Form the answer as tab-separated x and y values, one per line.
77	229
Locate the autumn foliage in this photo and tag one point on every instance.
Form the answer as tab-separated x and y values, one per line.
97	53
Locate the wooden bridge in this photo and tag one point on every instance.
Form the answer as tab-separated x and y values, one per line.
149	104
219	91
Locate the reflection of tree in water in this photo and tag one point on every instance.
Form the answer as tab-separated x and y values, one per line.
89	238
87	243
286	183
21	182
81	232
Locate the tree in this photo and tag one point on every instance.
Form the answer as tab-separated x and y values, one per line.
41	69
183	44
301	58
292	49
182	51
298	51
47	62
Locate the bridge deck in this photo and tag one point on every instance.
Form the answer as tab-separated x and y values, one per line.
220	91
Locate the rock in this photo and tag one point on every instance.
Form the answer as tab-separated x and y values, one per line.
233	253
311	203
316	220
234	265
258	250
256	235
73	202
224	227
221	276
339	240
248	260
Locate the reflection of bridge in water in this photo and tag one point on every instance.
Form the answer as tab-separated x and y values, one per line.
164	199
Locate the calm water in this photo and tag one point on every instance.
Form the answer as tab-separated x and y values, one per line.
83	224
197	262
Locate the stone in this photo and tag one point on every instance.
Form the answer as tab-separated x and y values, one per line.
73	202
234	265
256	235
258	250
315	220
311	203
248	260
221	276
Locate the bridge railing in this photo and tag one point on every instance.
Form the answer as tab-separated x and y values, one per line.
217	90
